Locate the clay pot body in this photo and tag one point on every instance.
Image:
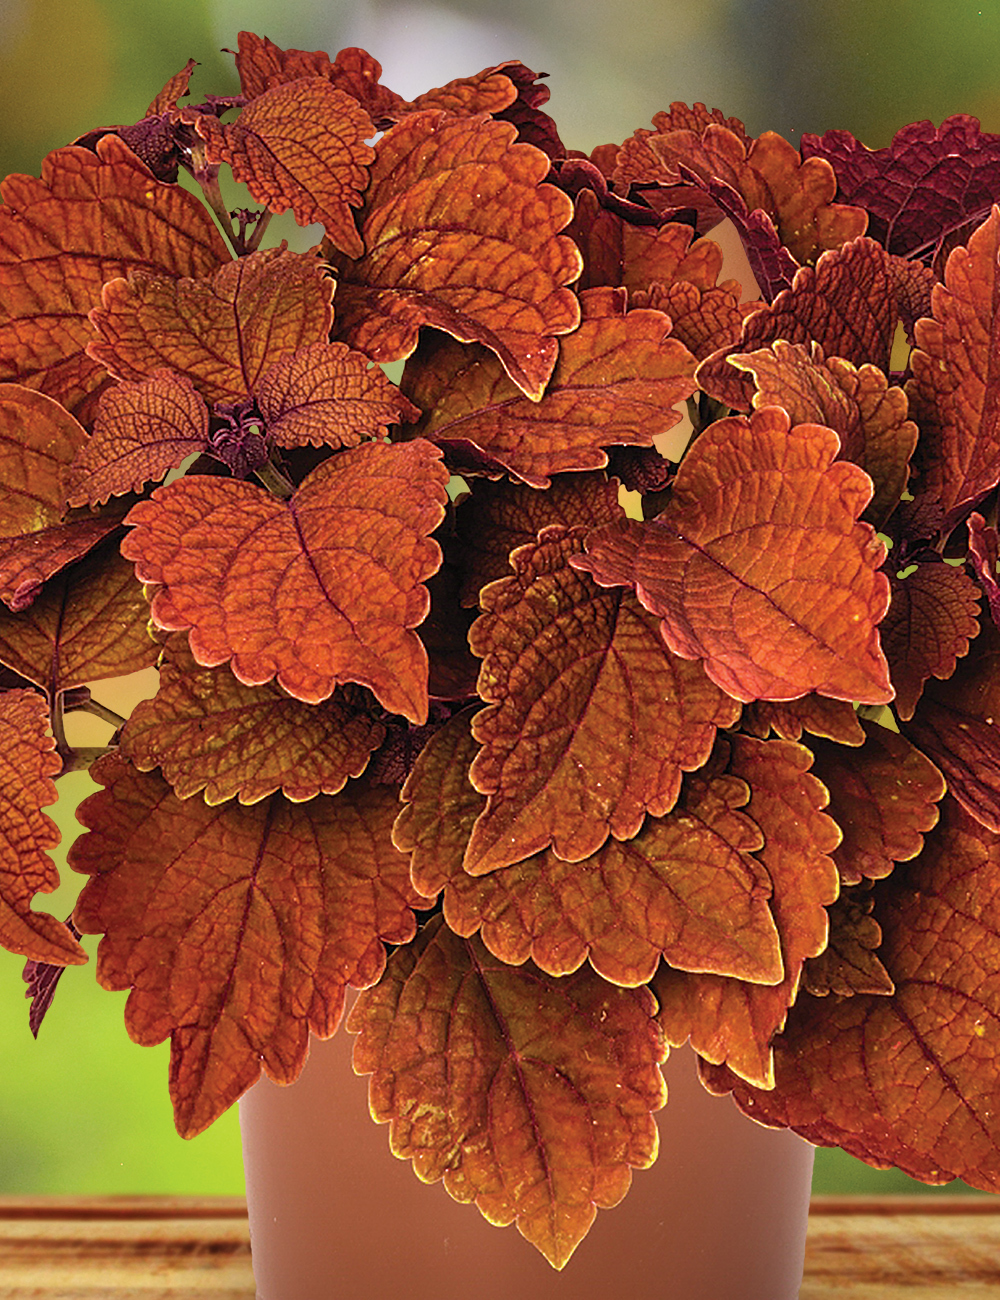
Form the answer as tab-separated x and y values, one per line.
334	1215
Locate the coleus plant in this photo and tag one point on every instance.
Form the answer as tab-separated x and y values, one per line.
555	784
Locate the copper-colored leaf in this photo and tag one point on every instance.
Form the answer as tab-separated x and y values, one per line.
883	796
846	304
302	146
486	271
223	332
88	623
27	765
528	1095
92	216
685	888
955	386
758	565
263	65
488	91
176	88
327	394
984	551
856	402
29	561
498	517
319	590
834	719
38	441
931	618
616	382
849	964
238	963
206	731
704	320
767	173
592	722
925	1102
142	430
729	1019
956	725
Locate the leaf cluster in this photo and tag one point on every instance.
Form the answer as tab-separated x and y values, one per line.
628	674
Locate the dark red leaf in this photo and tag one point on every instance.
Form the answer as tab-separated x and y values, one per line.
238	964
530	1096
317	591
757	549
42	979
927	182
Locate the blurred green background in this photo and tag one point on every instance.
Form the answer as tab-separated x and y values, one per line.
84	1110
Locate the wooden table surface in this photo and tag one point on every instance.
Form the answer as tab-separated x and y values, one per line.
159	1248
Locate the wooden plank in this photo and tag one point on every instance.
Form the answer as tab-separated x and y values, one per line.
160	1248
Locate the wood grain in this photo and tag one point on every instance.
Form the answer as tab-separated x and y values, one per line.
166	1248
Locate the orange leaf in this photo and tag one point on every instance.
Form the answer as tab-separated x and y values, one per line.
488	91
685	888
528	1095
489	271
302	146
768	173
592	722
262	65
27	562
207	731
327	394
849	965
237	964
846	304
223	332
856	402
931	619
732	1020
37	446
94	215
616	382
940	921
834	719
88	623
142	431
319	590
28	763
758	565
883	796
954	386
498	517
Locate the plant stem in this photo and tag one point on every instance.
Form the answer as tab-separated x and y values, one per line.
275	482
102	711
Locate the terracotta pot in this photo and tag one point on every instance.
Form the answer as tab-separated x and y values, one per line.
335	1216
